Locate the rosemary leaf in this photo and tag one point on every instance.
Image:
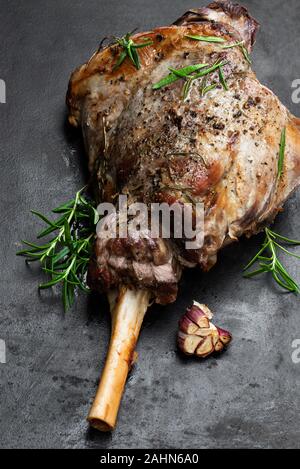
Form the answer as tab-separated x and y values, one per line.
120	60
180	73
60	255
205	38
67	233
143	44
222	79
209	70
136	59
255	272
208	88
235	44
171	78
246	54
52	282
36	247
281	153
288	240
44	219
53	227
133	56
186	88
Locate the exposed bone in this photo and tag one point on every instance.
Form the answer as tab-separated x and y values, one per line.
128	308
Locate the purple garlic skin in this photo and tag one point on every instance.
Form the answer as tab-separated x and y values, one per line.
197	335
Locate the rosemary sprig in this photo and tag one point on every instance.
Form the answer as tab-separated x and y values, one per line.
189	74
281	153
210	70
130	50
267	259
177	75
216	39
205	38
65	257
206	88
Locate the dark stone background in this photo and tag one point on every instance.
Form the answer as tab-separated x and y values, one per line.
248	397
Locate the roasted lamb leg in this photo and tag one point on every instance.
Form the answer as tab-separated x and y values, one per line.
220	147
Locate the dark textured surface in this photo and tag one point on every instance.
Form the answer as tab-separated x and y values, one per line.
248	397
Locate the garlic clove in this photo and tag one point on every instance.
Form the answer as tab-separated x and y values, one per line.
204	332
197	335
197	316
187	326
205	309
206	347
225	336
188	343
219	346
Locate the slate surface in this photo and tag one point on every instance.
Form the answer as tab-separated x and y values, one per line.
249	397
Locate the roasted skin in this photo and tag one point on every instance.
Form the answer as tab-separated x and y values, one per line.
133	133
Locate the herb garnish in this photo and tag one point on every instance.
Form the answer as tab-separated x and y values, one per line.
240	44
268	261
186	88
216	39
130	50
66	256
208	88
189	74
211	69
281	152
177	74
235	44
222	79
246	54
205	38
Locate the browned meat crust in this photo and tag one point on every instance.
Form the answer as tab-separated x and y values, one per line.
133	260
134	135
224	12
